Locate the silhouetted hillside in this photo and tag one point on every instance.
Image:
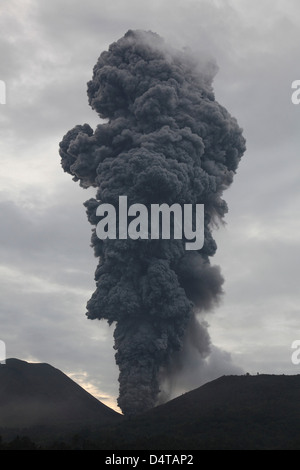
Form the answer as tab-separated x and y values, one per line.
39	396
232	412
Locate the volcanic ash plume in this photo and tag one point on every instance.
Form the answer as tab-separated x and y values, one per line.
164	140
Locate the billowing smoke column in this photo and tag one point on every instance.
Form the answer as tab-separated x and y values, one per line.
164	140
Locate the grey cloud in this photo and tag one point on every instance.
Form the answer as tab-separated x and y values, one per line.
194	370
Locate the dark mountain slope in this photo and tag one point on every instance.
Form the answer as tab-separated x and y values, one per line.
40	395
232	412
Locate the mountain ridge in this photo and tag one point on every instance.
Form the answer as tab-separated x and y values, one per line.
230	412
245	412
39	395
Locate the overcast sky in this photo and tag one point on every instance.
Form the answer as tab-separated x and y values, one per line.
48	50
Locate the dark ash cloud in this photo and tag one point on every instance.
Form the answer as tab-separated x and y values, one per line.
166	140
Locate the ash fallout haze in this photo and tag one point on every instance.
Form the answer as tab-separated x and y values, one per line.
167	140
